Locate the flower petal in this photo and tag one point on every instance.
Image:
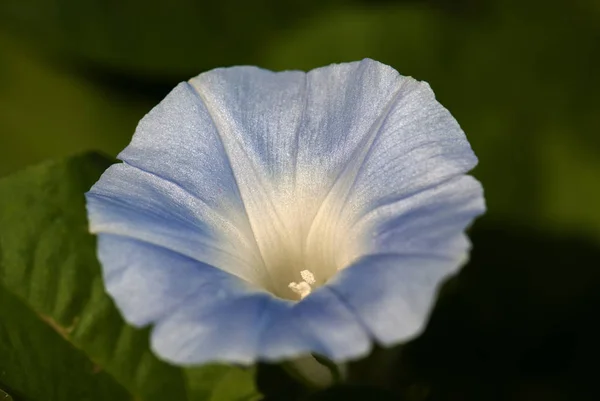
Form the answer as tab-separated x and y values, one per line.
321	323
392	294
281	125
256	325
130	202
429	222
416	146
227	331
150	283
408	155
416	243
178	142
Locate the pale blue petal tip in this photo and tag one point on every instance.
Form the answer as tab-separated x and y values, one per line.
173	220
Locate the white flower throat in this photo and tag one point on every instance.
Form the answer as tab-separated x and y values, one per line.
301	237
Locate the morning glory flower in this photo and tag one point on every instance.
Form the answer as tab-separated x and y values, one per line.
262	215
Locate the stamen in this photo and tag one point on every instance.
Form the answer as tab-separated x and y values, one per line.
308	277
303	288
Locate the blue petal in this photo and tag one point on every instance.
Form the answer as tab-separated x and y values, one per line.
150	283
217	331
430	222
321	323
130	202
178	142
416	145
392	294
416	243
414	150
257	324
281	124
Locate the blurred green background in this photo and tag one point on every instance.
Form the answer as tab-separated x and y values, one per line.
521	77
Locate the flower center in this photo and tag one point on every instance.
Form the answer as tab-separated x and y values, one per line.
302	241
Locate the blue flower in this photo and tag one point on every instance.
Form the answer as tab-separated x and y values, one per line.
261	215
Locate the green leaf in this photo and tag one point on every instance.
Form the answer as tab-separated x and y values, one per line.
41	365
50	276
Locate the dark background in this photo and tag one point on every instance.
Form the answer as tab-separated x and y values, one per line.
521	77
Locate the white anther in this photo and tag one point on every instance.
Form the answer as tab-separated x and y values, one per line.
302	288
308	277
